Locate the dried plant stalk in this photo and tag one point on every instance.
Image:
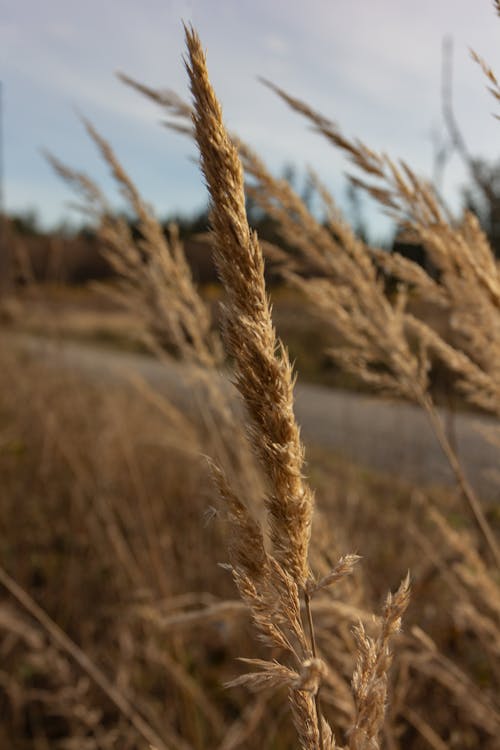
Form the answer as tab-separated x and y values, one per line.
154	279
265	381
270	584
370	677
263	371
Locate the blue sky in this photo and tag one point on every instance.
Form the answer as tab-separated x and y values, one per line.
372	66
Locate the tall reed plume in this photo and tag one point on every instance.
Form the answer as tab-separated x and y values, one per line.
271	584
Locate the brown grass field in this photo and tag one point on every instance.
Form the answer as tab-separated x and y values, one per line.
190	579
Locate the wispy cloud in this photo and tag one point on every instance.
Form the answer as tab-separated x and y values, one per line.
374	67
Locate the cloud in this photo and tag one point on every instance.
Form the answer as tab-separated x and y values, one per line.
276	44
374	67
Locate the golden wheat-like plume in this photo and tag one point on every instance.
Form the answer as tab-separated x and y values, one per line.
263	371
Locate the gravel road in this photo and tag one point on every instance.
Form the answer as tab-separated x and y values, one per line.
375	433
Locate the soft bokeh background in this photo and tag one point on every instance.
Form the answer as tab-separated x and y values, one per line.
374	67
113	389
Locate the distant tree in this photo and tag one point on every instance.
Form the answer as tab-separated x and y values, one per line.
26	222
355	211
482	197
196	223
482	194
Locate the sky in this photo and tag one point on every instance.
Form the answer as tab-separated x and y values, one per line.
373	67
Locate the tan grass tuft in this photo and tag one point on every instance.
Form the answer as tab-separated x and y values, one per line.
370	678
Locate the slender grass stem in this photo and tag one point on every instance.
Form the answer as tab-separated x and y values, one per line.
317	702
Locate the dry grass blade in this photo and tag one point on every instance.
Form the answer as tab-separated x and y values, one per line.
168	100
344	567
271	675
397	187
494	87
62	641
246	541
242	728
430	736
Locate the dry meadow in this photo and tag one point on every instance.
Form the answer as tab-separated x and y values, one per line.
179	568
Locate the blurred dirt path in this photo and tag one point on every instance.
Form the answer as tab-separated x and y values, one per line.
376	433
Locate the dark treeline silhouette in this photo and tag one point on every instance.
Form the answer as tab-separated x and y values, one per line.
75	255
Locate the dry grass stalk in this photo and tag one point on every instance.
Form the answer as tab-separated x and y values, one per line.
470	569
154	281
62	641
370	677
88	481
462	280
454	250
154	277
264	377
481	706
406	198
468	286
469	276
271	586
266	385
494	87
427	732
344	567
350	291
241	729
168	100
475	611
351	296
